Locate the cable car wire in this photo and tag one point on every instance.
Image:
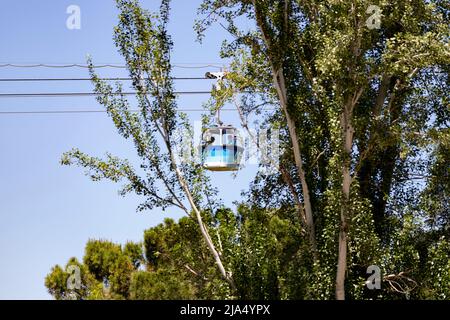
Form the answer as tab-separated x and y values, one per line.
99	66
87	79
83	94
72	65
92	111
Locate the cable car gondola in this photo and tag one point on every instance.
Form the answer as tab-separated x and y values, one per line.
220	149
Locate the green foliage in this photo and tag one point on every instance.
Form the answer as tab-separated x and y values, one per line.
265	252
439	269
266	258
134	251
385	90
161	285
61	282
100	258
396	78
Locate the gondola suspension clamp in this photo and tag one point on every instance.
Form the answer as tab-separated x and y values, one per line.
220	149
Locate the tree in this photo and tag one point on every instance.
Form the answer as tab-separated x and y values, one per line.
347	77
174	261
143	41
361	97
105	273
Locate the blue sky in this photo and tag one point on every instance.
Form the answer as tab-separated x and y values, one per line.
48	212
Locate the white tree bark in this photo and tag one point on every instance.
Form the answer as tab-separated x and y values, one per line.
279	82
347	135
203	229
346	184
280	85
162	129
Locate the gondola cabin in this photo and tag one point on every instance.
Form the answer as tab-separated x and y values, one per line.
220	149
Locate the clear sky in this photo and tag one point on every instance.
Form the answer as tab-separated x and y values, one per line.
48	212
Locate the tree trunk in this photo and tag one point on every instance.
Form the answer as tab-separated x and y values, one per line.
280	85
282	94
204	231
347	129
